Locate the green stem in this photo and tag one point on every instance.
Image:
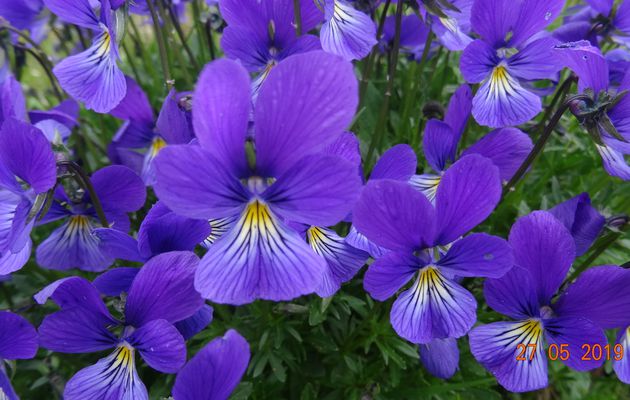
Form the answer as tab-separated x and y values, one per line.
182	38
161	45
367	68
562	90
84	180
421	65
379	130
540	144
298	17
201	34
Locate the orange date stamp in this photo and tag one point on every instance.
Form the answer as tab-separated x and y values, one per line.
590	352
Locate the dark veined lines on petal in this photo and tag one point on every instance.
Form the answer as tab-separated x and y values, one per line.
426	184
218	227
324	243
526	332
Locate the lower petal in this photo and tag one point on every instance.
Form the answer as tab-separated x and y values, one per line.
259	258
502	101
440	357
112	377
347	32
622	366
6	390
342	260
358	240
218	227
574	334
496	346
427	184
11	262
434	308
614	162
73	246
93	76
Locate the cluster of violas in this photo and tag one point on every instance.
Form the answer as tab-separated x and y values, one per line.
256	165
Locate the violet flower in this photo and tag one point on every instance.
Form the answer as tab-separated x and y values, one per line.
72	245
602	109
424	241
26	15
161	294
92	76
27	173
596	21
510	52
141	137
452	28
306	103
346	31
18	340
543	253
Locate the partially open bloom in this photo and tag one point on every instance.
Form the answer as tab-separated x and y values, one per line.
141	137
596	21
92	76
509	53
424	242
73	245
450	24
306	103
604	110
18	340
543	253
160	295
27	173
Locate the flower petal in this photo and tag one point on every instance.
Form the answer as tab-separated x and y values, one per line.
220	112
394	215
92	76
621	365
76	330
115	281
214	372
194	184
496	347
112	377
398	163
164	289
506	147
575	333
307	101
478	254
468	192
342	260
194	324
77	12
533	17
581	219
440	357
493	19
259	258
119	188
433	308
358	240
438	141
319	190
513	294
545	248
477	61
18	338
587	62
346	31
598	294
160	345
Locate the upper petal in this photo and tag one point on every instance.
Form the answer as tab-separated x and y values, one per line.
78	12
545	248
164	289
513	294
307	101
222	102
468	192
399	163
534	16
18	338
394	215
119	188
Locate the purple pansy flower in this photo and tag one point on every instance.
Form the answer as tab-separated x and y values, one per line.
73	245
509	53
261	34
58	122
604	105
18	340
346	31
161	294
26	15
543	253
140	138
424	241
506	147
161	231
306	103
413	35
452	28
595	21
27	173
91	76
214	372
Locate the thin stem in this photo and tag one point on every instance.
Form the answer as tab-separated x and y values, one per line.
298	17
540	144
210	39
367	69
562	90
599	247
379	130
84	180
161	45
41	60
201	34
182	38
